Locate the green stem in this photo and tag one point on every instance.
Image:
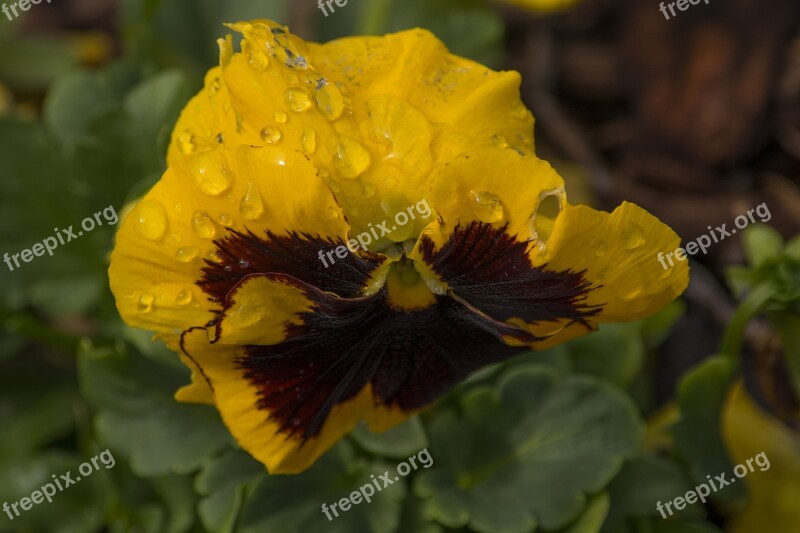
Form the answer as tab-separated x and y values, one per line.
752	305
374	18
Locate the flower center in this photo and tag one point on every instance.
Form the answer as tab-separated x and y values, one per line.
405	287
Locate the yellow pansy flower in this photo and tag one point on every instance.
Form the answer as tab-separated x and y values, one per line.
347	230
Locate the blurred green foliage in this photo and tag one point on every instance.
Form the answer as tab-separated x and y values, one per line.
550	441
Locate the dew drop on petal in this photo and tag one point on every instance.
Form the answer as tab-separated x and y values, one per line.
244	263
332	213
203	226
487	207
280	116
214	257
257	58
225	220
309	140
186	143
187	253
214	86
271	134
210	173
146	302
633	237
329	99
499	141
174	238
185	297
151	220
251	207
351	158
297	100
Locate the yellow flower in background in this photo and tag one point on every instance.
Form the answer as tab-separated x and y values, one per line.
248	257
543	6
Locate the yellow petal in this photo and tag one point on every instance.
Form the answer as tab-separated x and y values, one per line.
773	485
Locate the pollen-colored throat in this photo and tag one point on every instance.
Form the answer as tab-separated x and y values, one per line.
406	289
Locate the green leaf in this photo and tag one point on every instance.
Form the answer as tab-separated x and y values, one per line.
525	453
76	509
615	353
761	243
698	437
644	482
36	406
788	327
139	417
31	63
152	108
592	519
74	102
223	483
414	519
293	504
399	442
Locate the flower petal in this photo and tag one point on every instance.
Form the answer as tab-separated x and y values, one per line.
340	360
168	238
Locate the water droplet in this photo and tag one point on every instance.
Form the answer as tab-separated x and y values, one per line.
186	143
227	268
185	297
203	226
258	59
520	112
332	213
151	218
309	140
174	238
210	173
280	116
214	257
393	205
633	237
214	86
225	220
187	253
179	208
252	207
487	207
329	100
499	141
351	158
146	302
297	100
244	263
271	134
